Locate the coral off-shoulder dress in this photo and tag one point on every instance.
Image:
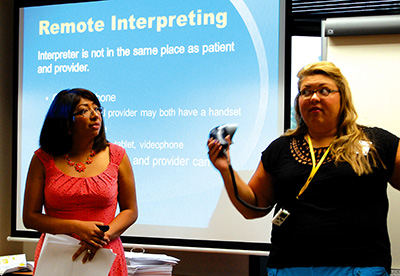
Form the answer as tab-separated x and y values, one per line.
85	198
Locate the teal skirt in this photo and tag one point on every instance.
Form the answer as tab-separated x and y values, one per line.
328	271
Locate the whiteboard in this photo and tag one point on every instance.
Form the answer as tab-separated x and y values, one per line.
371	65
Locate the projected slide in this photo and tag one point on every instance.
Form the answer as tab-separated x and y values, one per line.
166	72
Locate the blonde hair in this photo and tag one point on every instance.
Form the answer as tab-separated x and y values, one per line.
347	146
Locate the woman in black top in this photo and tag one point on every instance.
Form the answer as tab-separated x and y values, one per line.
330	175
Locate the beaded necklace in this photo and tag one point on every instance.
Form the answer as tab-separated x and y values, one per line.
79	166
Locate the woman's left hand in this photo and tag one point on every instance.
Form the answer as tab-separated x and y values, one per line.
87	250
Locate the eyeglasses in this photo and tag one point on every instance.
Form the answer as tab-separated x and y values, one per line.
322	92
85	112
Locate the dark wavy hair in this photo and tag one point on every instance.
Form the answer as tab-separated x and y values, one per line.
55	136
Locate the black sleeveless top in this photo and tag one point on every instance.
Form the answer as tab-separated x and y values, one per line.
340	220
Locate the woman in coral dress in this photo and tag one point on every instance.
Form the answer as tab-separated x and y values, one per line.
80	179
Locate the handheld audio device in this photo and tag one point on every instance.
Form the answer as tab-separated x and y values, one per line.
219	133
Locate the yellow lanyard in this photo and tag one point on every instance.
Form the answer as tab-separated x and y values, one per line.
314	168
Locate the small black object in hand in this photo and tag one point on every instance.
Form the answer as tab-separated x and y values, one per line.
103	228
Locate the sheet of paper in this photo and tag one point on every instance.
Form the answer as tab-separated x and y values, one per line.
145	258
12	263
56	259
150	264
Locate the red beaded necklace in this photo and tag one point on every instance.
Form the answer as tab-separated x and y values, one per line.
79	166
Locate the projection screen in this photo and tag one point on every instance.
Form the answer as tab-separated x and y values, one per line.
166	72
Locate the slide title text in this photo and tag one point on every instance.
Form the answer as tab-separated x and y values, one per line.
192	19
